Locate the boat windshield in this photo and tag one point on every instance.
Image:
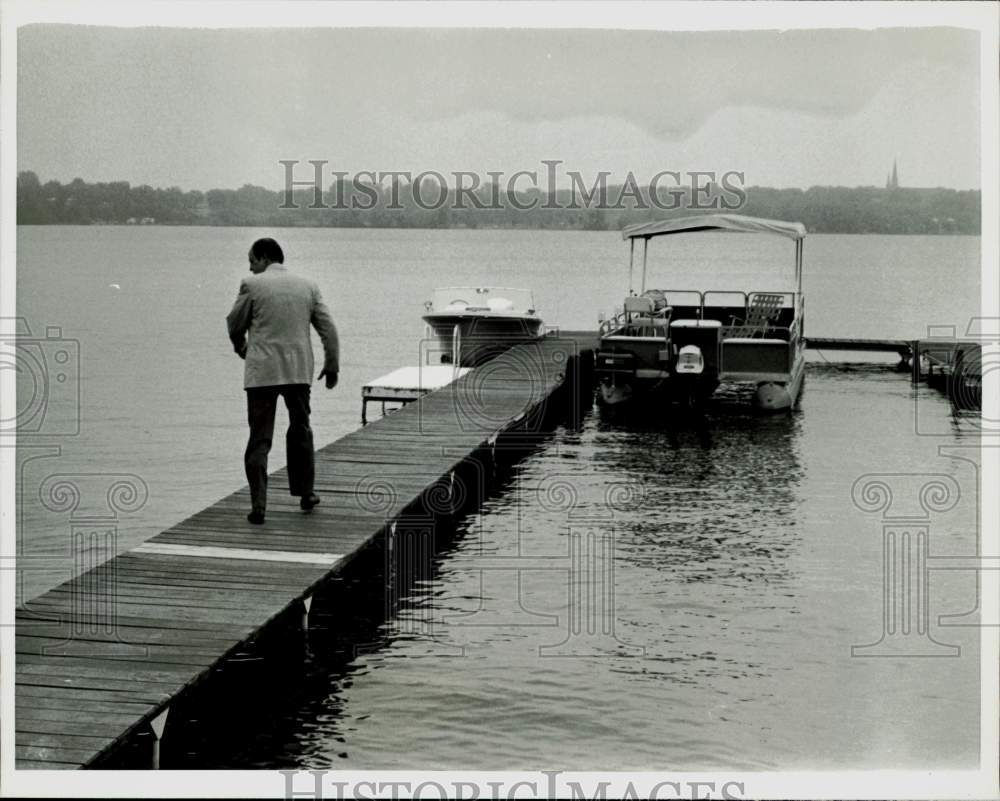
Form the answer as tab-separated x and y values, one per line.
486	298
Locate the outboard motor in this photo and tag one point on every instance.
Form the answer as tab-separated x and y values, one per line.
696	360
690	361
688	371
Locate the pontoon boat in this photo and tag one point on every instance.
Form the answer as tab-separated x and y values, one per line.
684	343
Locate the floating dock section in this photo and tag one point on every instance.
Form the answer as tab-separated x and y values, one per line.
102	657
903	347
951	365
407	384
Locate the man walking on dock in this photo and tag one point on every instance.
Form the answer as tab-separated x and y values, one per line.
276	309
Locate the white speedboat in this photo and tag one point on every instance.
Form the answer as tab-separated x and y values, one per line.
467	326
684	343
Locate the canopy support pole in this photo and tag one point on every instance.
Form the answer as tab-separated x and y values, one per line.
631	258
645	250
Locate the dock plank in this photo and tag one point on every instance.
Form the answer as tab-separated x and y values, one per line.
74	666
99	683
56	703
64	616
106	729
69	695
32	764
124	592
66	743
180	614
28	714
52	758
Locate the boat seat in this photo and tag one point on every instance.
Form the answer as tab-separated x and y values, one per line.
639	305
763	310
659	298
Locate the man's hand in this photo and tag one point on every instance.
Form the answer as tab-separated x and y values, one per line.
241	350
331	377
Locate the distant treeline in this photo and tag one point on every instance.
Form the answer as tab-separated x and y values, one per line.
823	209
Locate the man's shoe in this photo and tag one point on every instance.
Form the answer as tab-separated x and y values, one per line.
256	517
307	502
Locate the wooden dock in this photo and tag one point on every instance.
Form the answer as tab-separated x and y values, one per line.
101	658
951	365
903	347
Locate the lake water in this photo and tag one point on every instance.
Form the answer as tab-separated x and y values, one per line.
742	571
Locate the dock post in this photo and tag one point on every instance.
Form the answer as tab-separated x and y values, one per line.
492	443
156	725
915	361
306	606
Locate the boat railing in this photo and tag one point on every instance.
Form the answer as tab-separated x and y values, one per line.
612	323
733	305
717	299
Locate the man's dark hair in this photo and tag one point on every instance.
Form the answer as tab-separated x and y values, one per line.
268	249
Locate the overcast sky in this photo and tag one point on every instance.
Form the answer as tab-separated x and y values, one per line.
218	108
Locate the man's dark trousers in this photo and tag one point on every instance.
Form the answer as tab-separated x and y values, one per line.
262	403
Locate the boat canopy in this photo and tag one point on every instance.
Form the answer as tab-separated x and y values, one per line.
716	222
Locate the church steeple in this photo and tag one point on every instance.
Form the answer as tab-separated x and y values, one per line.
892	182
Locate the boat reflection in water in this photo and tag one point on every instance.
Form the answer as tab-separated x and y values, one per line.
720	495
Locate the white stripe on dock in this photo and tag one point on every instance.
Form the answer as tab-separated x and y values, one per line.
216	552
